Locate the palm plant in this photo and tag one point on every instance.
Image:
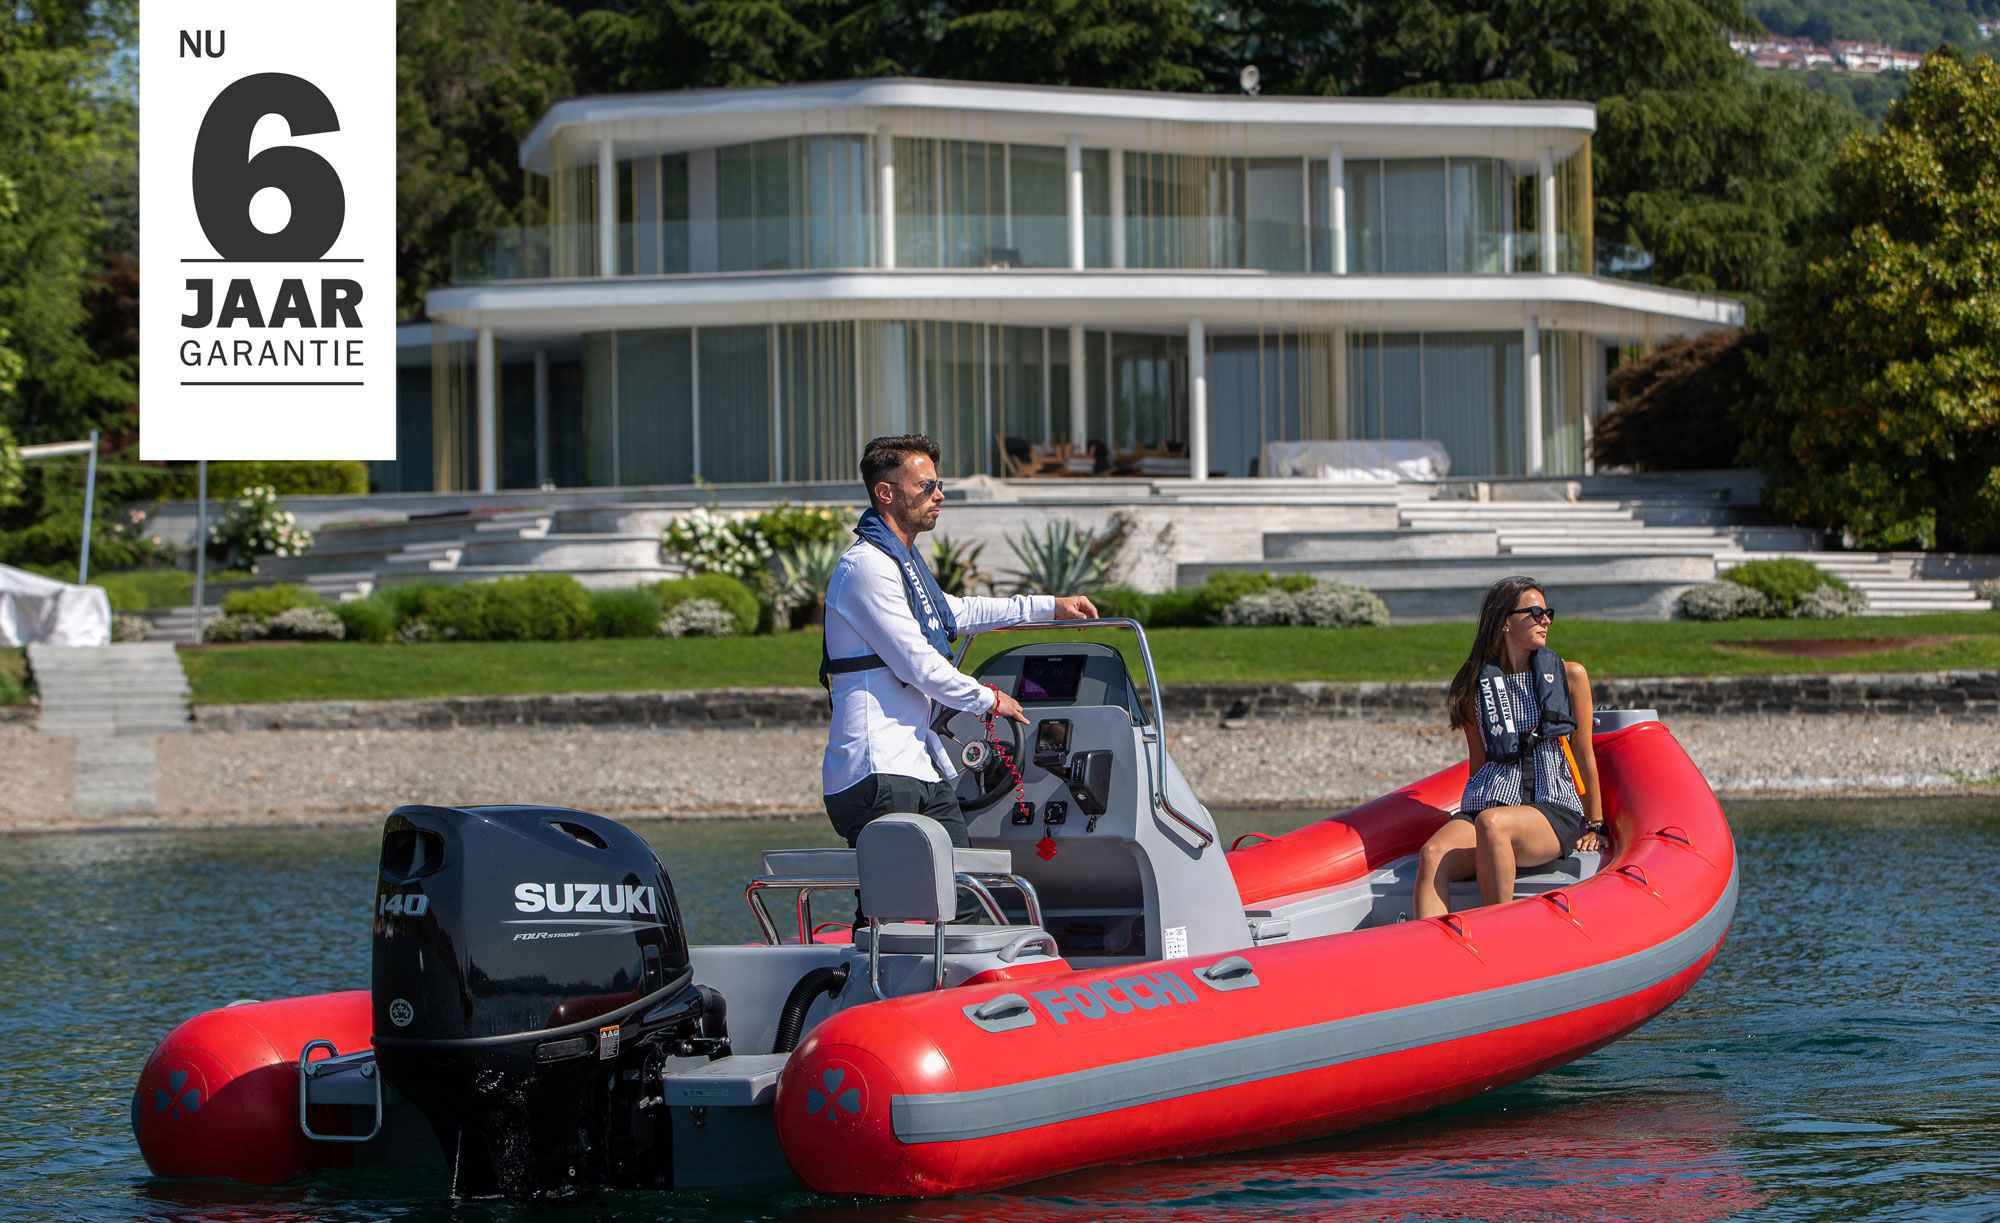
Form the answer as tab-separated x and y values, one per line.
1060	560
807	572
956	567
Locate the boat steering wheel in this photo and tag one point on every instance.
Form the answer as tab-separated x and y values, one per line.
963	731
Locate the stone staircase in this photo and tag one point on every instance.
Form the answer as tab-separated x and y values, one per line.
1890	580
136	688
114	699
1623	545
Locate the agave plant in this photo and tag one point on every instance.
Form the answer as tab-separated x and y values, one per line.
956	567
808	569
1060	560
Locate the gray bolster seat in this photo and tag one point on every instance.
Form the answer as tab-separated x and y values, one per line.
908	868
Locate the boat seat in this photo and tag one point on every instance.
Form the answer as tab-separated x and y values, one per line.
909	888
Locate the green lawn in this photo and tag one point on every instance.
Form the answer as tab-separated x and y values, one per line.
1402	652
13	675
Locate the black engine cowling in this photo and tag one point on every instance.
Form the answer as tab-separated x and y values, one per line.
531	976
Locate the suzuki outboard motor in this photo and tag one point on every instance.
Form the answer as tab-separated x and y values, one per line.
531	978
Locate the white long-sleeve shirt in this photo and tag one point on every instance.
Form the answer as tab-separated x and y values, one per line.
881	717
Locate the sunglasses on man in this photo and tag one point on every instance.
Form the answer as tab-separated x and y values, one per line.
1539	614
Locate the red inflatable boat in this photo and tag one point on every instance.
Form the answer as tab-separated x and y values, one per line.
1136	994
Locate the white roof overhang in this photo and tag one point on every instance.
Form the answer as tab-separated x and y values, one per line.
1045	115
1125	300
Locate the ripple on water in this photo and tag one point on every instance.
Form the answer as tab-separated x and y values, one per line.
1838	1061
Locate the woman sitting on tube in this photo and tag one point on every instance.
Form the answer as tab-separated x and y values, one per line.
1532	794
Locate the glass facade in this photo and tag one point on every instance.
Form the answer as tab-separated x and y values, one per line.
785	400
805	202
778	403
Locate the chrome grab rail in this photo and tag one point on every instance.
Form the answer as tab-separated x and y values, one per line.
980	885
1158	730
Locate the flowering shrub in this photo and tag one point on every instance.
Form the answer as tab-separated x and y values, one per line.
126	627
697	618
1829	602
306	624
253	528
1724	601
706	541
1989	590
233	628
1320	605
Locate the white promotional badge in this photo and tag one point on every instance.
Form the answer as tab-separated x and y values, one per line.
267	205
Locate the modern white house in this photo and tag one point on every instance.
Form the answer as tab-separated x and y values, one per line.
743	285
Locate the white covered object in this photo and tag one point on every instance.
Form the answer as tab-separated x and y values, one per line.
1357	462
35	608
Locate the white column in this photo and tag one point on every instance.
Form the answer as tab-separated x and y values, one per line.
1197	400
1547	196
1531	390
1117	161
1336	206
694	401
1079	387
489	414
885	196
541	417
1076	201
607	210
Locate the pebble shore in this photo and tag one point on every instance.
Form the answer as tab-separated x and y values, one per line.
284	778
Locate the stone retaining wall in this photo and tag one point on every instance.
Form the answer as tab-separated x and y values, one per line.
1928	693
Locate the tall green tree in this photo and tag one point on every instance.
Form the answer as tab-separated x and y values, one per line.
67	120
1714	168
1106	44
472	77
1884	417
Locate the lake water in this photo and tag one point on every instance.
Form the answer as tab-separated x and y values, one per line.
1840	1061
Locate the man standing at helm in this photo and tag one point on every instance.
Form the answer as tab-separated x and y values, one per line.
888	634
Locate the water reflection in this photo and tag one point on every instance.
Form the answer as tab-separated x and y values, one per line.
1840	1060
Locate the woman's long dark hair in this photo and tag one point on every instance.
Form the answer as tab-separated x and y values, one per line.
1500	599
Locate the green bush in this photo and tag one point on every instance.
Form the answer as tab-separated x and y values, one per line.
786	526
1784	582
625	613
371	619
735	597
537	607
404	601
1179	607
1224	587
301	479
10	691
267	601
1124	603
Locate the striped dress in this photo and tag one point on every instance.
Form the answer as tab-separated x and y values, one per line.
1499	785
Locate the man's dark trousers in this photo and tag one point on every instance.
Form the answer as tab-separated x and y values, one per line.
880	794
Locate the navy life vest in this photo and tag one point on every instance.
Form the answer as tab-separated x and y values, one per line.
927	604
1500	720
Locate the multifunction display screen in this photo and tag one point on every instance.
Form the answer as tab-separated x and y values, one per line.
1049	678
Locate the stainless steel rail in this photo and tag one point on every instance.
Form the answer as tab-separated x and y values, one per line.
1157	731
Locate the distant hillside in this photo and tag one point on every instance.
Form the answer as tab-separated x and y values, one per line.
1909	25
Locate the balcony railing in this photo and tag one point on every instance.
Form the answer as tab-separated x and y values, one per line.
997	242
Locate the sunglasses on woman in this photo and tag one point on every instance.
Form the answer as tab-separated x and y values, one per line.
1540	615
